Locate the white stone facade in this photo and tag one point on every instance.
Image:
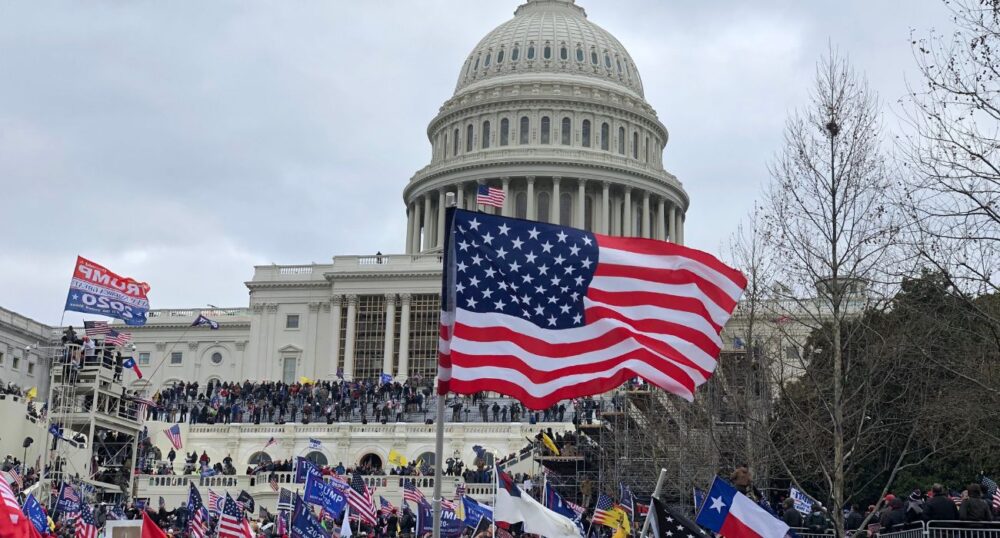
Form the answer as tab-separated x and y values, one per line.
23	357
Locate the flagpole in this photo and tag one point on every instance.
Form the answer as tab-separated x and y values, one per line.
439	438
656	493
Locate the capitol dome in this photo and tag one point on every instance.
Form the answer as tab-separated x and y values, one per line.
550	37
549	107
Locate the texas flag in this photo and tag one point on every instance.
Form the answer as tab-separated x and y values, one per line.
732	514
129	362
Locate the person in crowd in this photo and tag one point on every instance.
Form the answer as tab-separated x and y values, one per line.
940	507
791	516
974	508
853	519
895	516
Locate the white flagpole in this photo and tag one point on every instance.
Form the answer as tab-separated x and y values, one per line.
656	493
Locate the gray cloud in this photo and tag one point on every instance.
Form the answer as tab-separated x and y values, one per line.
183	142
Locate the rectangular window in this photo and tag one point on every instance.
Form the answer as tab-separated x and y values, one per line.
176	357
31	368
292	321
15	363
1	358
144	359
369	341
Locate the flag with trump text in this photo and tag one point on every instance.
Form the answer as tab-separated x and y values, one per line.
545	313
96	290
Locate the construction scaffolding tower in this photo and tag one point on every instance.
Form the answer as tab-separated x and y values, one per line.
92	425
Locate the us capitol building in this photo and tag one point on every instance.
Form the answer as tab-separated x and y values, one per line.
548	107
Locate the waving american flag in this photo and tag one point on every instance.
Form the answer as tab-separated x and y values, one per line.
545	313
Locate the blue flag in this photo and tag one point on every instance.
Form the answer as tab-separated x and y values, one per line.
553	501
451	526
302	469
36	514
202	321
304	523
328	495
386	378
69	500
475	511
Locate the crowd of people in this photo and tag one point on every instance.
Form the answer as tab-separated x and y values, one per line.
342	401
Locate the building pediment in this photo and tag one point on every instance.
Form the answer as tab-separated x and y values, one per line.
290	348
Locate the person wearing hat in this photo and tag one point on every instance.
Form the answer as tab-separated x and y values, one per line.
914	506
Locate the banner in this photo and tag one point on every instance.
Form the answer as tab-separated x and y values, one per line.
451	526
304	523
302	469
95	290
329	496
803	502
475	511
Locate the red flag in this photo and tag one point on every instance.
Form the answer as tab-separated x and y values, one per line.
14	524
149	527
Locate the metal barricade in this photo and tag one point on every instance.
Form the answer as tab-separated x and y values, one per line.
963	529
909	530
804	532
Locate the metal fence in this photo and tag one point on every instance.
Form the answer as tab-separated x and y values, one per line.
930	529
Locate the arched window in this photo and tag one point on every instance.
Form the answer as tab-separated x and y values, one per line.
605	133
621	140
486	134
627	72
544	201
427	457
547	52
647	150
445	148
579	54
500	56
585	132
607	60
468	138
455	144
259	458
546	128
619	62
588	213
635	145
515	54
563	53
565	209
476	67
593	57
523	136
504	131
486	62
567	131
531	51
521	205
371	461
318	458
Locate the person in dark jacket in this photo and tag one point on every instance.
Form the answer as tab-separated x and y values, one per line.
791	517
854	519
894	517
940	507
975	508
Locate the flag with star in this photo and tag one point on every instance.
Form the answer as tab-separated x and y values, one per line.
545	313
666	523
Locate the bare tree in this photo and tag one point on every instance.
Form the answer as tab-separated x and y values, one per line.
828	224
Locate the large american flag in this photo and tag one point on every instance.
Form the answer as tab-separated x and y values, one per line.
115	338
490	196
86	527
10	502
200	519
360	500
93	329
231	520
546	313
174	435
412	494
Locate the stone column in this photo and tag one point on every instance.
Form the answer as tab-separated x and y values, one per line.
335	307
554	203
439	235
672	222
645	215
505	210
605	205
415	239
661	228
532	212
680	226
581	201
403	370
427	223
627	213
409	229
352	313
460	196
390	332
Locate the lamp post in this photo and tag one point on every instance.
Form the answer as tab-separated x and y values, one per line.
24	459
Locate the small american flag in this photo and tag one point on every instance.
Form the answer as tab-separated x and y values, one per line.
460	490
448	505
270	442
174	434
491	196
93	329
231	520
564	313
85	525
16	478
361	500
215	501
412	494
200	522
386	506
602	511
273	482
285	499
115	338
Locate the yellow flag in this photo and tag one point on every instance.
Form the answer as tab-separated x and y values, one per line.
549	444
305	380
396	458
33	393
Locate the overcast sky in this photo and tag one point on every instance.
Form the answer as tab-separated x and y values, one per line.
181	143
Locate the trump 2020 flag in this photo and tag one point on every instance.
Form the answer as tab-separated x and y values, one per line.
734	515
96	290
544	313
